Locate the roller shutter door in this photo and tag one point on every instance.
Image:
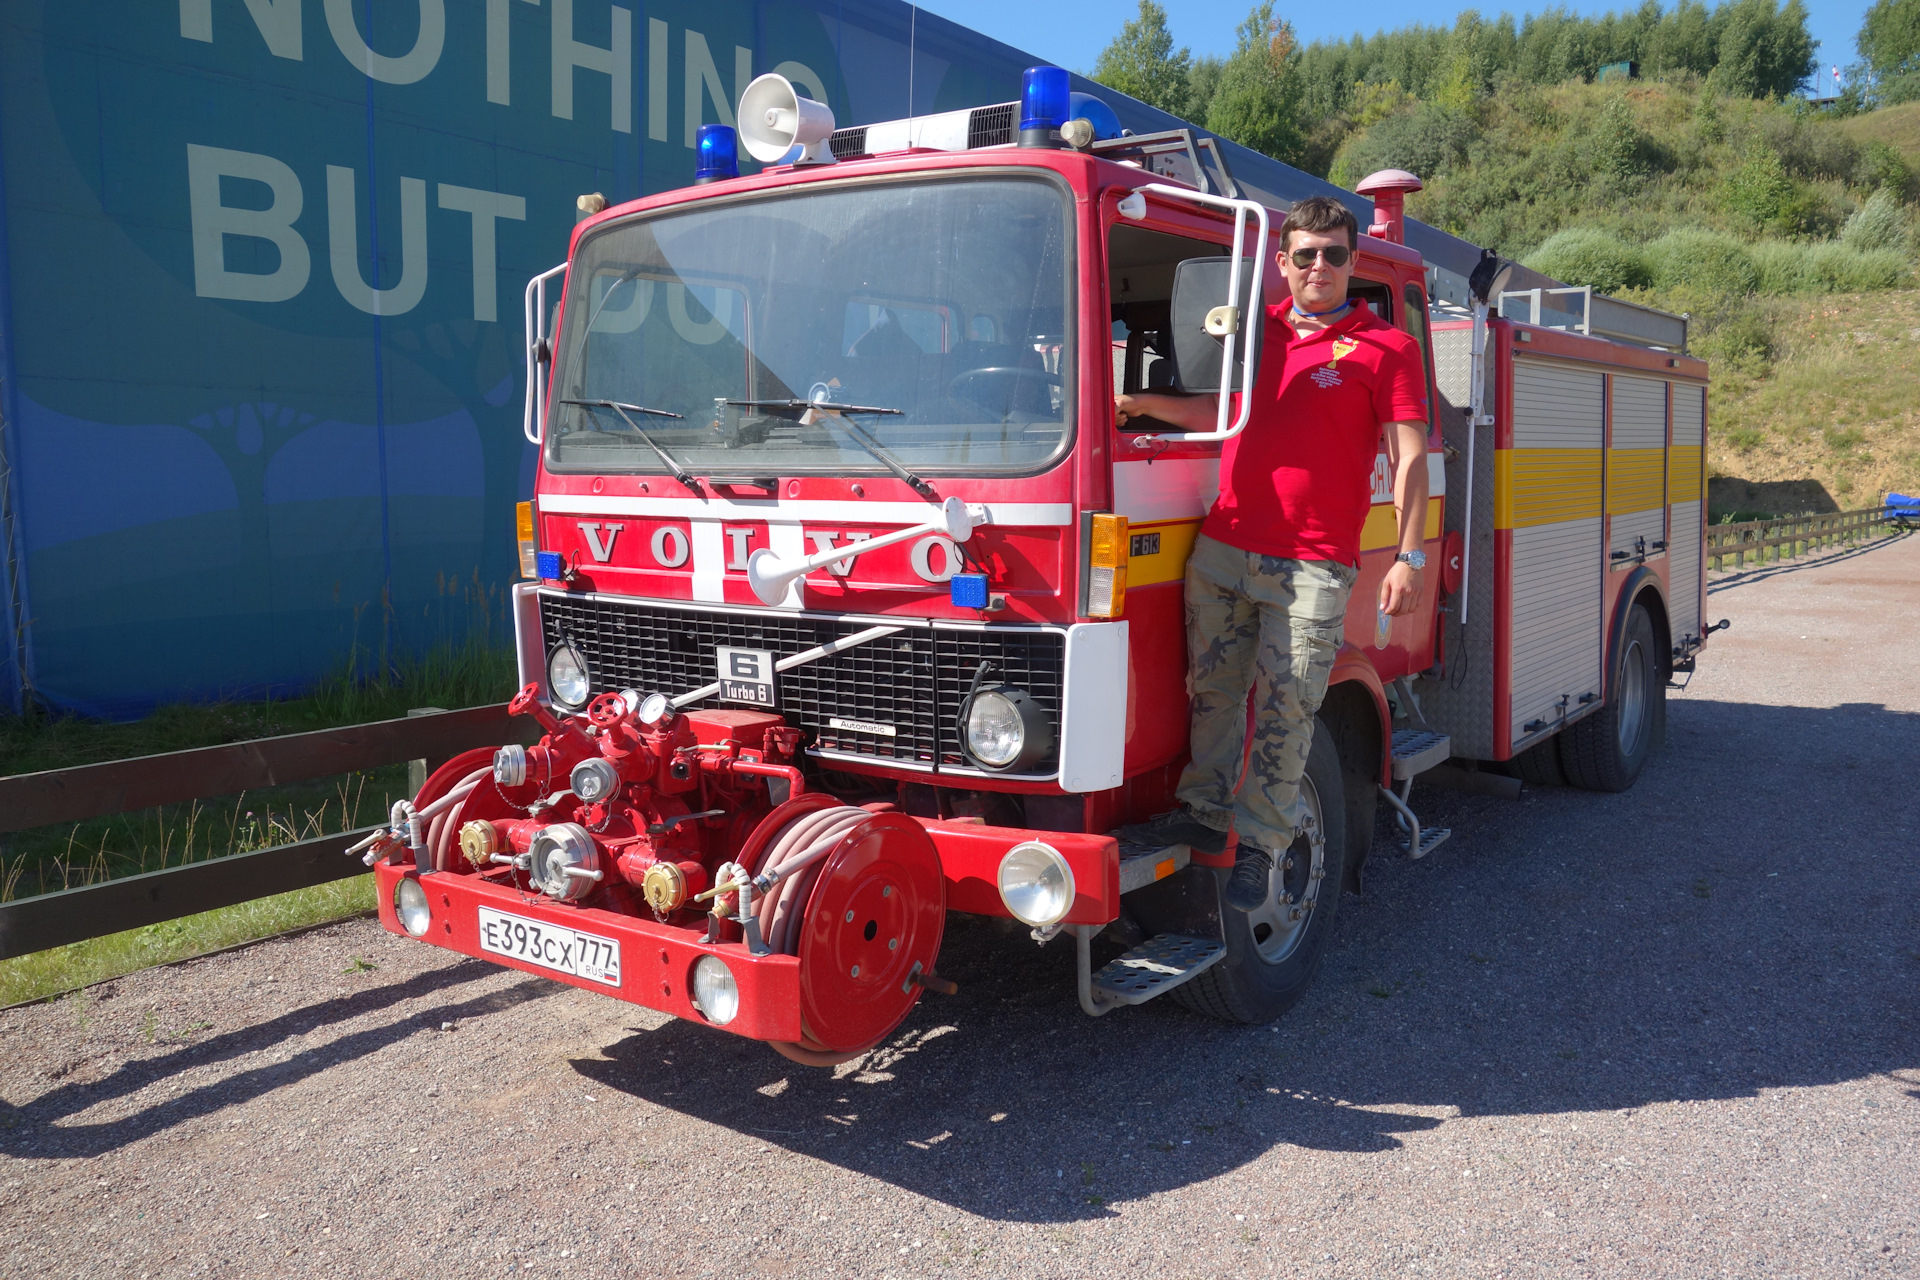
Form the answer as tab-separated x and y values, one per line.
1636	471
1551	500
1686	486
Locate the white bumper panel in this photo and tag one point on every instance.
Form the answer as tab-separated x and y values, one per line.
529	650
1093	730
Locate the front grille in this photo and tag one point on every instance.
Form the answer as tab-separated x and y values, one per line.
913	680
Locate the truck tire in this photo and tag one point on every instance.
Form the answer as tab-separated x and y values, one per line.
1272	958
1539	764
1606	751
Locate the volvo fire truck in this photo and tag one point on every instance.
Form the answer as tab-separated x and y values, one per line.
847	606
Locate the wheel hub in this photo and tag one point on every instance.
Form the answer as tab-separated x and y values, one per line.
1293	888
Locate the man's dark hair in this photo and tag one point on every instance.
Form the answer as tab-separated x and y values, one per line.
1319	214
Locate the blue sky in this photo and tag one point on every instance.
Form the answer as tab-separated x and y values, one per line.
1073	37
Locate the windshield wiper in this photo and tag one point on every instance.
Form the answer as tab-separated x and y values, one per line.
793	409
680	473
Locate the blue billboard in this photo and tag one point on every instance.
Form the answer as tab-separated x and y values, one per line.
261	265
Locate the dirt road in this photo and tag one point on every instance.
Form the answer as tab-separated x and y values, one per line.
1668	1033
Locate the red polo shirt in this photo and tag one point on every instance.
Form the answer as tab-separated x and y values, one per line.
1298	481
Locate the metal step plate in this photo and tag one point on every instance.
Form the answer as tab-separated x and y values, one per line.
1155	966
1141	866
1431	838
1417	750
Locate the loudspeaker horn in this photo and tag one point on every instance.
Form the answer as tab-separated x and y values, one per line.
773	117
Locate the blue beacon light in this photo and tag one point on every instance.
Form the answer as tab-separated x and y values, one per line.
1044	94
717	149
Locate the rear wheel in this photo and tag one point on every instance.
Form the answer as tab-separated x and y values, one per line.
1605	752
1274	951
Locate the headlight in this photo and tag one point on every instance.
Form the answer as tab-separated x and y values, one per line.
567	676
410	904
1006	729
715	991
1036	883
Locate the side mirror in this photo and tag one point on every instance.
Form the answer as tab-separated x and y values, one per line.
1203	315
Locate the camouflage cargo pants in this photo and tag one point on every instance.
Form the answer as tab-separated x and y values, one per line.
1271	625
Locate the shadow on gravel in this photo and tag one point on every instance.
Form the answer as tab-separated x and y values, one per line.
37	1132
1741	921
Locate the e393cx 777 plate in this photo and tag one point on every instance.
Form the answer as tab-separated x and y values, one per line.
584	955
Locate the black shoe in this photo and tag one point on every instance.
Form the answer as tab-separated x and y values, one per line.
1247	886
1176	826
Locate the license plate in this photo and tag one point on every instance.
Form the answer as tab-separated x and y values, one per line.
584	955
746	675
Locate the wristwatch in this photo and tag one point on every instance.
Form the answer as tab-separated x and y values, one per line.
1417	559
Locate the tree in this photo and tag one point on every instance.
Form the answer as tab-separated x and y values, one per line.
1763	51
1889	42
1142	62
1258	102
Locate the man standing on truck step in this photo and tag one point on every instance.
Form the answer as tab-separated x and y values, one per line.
1267	586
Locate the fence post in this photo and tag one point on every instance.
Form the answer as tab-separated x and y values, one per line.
417	770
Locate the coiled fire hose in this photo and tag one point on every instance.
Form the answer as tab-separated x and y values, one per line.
409	827
446	817
789	868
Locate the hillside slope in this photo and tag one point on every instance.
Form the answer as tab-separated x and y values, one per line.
1832	420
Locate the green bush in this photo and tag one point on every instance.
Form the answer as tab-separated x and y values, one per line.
1583	255
1881	223
1783	267
1832	267
1839	268
1704	260
1882	165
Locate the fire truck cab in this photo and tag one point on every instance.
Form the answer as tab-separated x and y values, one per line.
847	605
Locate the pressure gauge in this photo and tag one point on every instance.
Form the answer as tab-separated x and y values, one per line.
654	708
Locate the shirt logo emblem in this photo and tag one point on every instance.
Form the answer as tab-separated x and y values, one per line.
1343	347
1327	376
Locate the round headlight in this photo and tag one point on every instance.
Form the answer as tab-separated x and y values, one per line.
594	780
1035	883
567	676
410	904
1006	729
715	991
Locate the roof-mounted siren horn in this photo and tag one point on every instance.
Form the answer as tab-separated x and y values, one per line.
1389	189
774	119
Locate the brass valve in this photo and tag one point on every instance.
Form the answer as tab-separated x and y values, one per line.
664	887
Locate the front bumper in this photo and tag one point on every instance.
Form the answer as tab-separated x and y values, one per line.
656	960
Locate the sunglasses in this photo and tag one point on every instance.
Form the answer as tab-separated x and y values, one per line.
1335	254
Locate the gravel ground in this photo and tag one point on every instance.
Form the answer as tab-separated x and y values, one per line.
1590	1036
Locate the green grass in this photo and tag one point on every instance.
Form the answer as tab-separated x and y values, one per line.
48	973
50	859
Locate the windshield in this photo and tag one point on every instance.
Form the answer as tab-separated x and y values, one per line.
935	313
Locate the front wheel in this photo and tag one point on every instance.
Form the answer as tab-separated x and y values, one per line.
1274	950
1606	751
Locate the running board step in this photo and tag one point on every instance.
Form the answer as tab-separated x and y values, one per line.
1417	750
1154	968
1141	866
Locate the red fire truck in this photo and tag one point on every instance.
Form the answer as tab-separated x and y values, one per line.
847	606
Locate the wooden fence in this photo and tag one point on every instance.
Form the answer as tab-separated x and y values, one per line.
1787	536
133	902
